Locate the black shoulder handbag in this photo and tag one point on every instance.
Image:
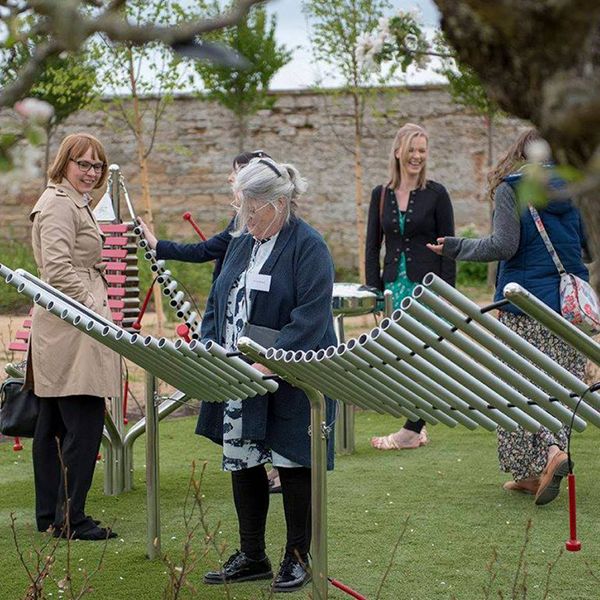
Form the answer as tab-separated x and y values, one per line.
19	409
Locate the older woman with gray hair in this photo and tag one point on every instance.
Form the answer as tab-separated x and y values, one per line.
277	274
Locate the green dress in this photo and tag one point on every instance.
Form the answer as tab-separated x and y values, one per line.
402	287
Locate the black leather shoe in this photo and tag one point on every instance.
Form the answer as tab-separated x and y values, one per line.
241	568
292	574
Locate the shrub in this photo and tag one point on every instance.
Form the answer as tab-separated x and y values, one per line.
15	255
470	273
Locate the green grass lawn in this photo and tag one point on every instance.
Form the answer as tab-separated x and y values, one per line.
450	491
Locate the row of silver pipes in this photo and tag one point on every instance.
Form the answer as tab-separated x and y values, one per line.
439	359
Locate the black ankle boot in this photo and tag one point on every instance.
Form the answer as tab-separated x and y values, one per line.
293	574
240	568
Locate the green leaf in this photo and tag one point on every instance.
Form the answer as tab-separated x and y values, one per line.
531	190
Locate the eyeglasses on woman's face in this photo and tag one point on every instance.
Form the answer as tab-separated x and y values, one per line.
251	210
85	166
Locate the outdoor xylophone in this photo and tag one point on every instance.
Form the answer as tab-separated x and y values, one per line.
441	358
183	306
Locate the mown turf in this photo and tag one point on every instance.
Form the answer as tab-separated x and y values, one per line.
450	492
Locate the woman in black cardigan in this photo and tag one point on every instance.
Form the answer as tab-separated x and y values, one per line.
408	213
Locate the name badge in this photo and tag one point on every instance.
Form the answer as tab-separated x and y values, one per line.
259	282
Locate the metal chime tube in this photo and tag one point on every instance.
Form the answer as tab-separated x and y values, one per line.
224	372
267	384
500	349
535	308
458	373
173	374
386	386
177	301
27	278
158	266
342	380
208	370
183	310
299	365
421	384
310	370
394	386
440	287
332	361
422	399
191	368
312	373
225	365
432	370
499	372
164	277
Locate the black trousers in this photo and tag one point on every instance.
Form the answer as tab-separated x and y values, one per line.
251	499
76	422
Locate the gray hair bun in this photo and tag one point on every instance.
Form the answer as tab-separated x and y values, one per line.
299	183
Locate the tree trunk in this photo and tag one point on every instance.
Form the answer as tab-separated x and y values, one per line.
358	190
241	118
49	132
492	267
590	212
145	183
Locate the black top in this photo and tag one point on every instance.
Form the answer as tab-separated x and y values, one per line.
212	249
429	215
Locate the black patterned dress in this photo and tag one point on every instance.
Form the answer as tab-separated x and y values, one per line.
240	453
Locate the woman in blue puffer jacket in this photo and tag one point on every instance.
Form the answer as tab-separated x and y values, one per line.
537	461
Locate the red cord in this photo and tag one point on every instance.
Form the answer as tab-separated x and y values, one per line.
187	216
345	588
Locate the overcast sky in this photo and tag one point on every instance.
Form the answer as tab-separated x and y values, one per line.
292	31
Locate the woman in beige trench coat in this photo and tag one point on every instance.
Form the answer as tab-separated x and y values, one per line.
68	370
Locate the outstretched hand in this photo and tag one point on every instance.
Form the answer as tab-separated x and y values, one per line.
439	247
260	367
150	237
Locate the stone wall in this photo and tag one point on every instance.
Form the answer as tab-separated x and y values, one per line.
196	141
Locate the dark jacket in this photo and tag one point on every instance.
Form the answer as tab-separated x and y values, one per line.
298	304
212	249
532	266
429	216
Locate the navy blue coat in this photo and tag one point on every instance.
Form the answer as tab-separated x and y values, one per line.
532	266
214	248
299	305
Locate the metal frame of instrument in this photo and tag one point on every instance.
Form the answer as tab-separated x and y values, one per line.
441	358
349	303
178	301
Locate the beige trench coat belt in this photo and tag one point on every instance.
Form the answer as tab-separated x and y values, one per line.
91	272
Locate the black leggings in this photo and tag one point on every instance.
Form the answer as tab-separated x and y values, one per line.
415	426
251	499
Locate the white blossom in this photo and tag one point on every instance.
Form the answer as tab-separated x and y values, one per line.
35	110
384	24
411	42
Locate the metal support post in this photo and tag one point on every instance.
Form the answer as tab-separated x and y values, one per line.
318	451
152	470
344	438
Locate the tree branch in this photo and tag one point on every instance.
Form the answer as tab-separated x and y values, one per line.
22	84
68	29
